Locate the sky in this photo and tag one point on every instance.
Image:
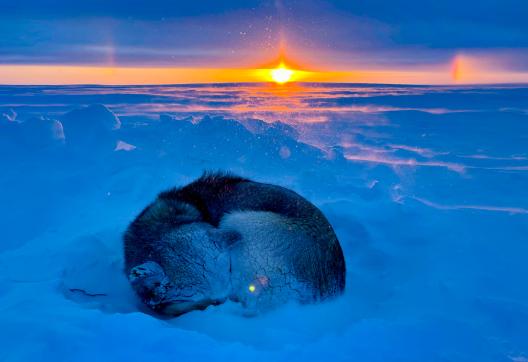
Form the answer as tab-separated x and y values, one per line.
164	41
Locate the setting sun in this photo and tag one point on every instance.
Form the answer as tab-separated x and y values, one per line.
281	74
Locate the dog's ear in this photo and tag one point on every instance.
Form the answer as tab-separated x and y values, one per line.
225	239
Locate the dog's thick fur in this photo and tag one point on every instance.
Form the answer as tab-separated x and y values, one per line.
224	236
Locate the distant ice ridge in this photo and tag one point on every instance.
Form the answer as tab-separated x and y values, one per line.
86	127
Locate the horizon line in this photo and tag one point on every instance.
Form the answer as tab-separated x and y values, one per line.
452	85
16	74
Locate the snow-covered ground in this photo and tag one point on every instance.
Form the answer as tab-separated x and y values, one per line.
426	188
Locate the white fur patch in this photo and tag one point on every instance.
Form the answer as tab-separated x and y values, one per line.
263	262
263	225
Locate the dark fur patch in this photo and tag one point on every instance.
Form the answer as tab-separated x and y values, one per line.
206	194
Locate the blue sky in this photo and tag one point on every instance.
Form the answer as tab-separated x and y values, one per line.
238	33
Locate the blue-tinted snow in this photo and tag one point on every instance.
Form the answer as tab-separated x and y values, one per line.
426	188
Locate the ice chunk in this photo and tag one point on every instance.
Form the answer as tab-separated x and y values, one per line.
123	146
93	125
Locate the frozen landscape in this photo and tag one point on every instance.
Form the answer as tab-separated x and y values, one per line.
426	188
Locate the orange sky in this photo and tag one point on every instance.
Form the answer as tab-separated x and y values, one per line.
462	70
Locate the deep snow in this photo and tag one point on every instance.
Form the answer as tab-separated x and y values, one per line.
425	187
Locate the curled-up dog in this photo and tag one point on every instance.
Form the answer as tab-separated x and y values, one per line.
223	237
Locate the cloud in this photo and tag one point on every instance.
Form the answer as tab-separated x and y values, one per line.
338	34
139	9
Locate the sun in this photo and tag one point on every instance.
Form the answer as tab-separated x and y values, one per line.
281	74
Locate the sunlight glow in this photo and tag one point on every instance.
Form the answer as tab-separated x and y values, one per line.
461	70
281	74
